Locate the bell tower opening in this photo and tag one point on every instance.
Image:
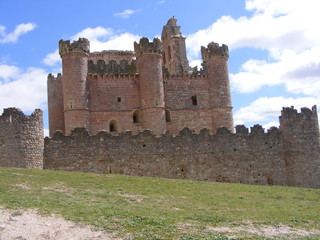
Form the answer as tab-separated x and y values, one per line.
174	48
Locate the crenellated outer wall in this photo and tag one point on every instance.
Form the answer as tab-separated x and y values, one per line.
226	157
285	156
273	158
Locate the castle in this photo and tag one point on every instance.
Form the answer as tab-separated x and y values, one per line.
151	88
112	113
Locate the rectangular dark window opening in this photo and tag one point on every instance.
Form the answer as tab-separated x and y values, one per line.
119	99
194	100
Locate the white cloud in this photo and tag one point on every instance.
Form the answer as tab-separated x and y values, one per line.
298	72
13	37
46	132
267	108
8	72
106	39
97	33
100	39
274	25
26	90
288	30
126	13
52	59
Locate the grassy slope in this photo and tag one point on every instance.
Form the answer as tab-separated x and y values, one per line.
154	208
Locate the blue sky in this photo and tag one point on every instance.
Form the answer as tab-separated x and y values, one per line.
274	45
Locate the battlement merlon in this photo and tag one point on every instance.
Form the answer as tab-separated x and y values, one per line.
305	122
52	78
214	50
291	112
146	47
80	46
101	67
10	114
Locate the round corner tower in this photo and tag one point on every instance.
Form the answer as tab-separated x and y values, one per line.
215	62
75	93
301	146
149	61
21	139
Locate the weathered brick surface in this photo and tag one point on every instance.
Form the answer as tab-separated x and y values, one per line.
55	104
21	139
75	92
109	86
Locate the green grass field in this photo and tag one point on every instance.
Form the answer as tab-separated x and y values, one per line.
155	208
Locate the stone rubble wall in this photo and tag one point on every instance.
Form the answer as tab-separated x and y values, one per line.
285	156
21	139
253	158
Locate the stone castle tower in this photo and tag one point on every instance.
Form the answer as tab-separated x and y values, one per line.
21	139
301	144
151	88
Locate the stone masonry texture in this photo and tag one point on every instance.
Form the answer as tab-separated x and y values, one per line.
284	156
21	139
288	155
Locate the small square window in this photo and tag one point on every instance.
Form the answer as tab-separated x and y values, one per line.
119	99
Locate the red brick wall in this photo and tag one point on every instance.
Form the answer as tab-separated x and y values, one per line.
178	98
55	104
75	68
216	62
151	92
113	98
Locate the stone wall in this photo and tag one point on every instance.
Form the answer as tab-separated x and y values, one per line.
301	146
285	156
254	158
21	139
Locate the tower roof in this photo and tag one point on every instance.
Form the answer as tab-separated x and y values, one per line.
172	21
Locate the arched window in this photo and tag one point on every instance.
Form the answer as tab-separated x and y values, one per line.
168	115
136	116
169	52
113	126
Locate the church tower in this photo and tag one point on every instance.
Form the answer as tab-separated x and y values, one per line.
174	55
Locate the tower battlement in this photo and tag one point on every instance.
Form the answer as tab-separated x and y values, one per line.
305	122
292	113
12	115
80	46
52	78
145	46
21	139
124	67
213	49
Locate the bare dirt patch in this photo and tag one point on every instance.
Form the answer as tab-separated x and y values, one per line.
250	229
28	225
129	197
22	186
